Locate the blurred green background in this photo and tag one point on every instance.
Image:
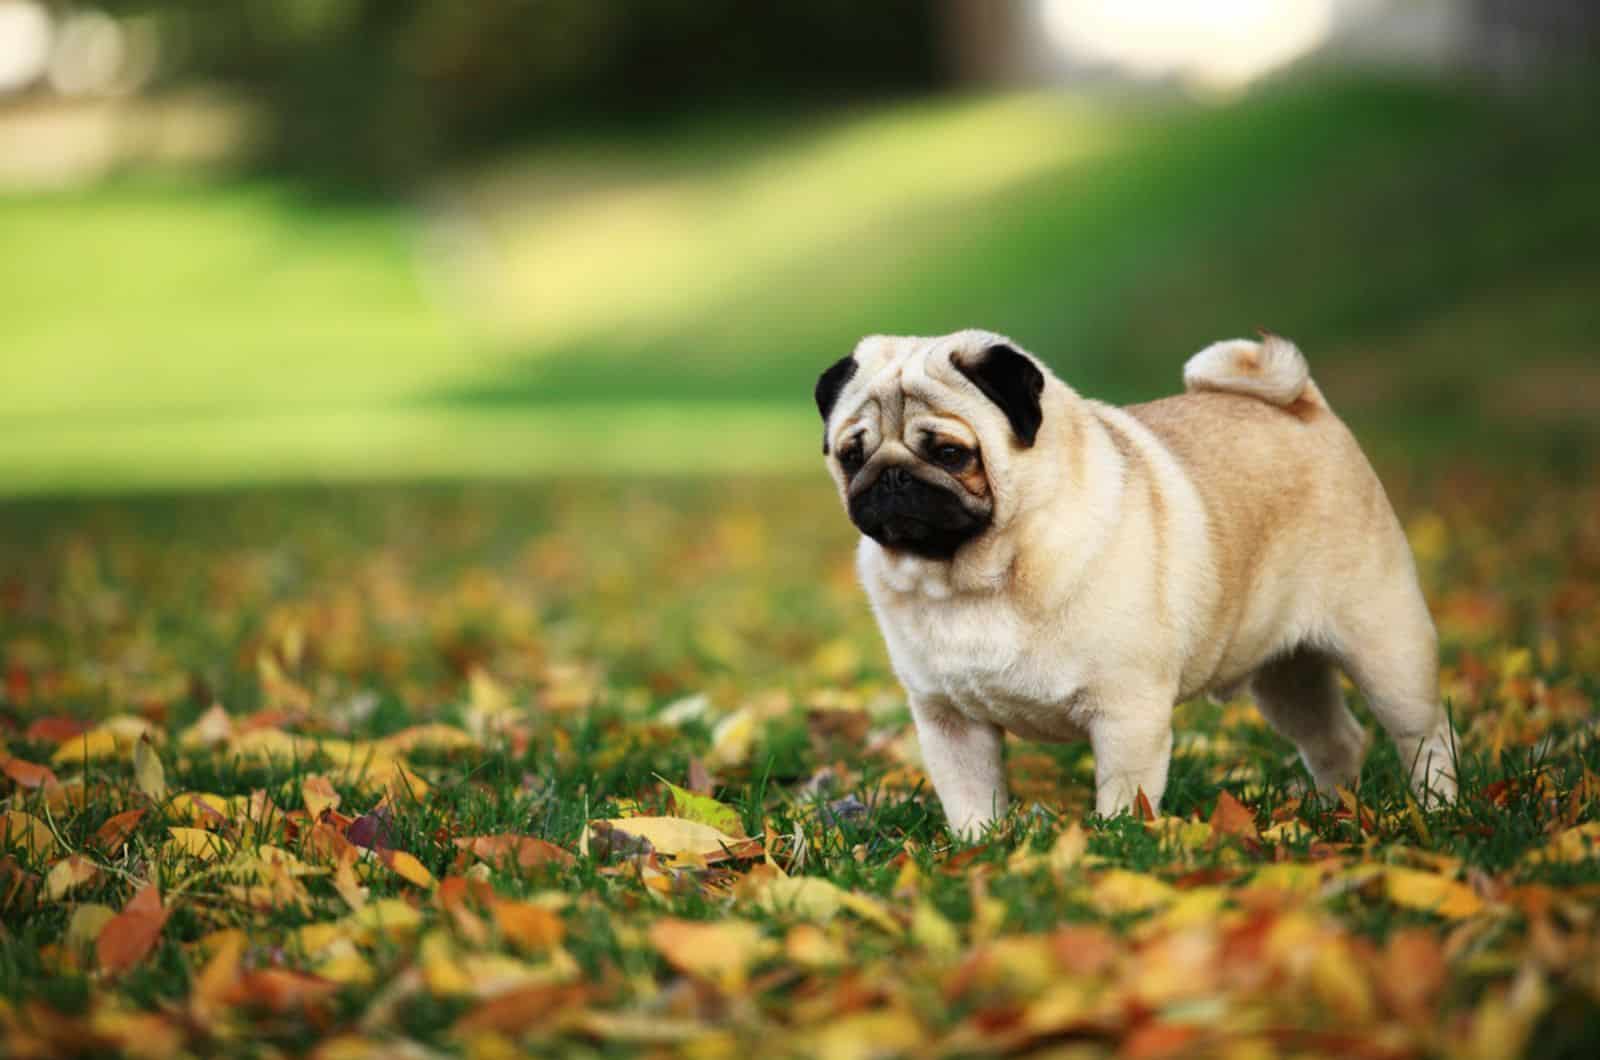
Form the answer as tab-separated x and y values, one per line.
311	240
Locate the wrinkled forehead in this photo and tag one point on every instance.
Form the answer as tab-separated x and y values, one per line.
898	374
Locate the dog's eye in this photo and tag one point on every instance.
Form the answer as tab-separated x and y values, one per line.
951	456
851	457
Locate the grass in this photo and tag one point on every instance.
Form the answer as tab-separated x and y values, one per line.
576	644
165	332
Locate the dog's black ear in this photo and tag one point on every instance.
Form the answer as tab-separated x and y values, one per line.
1012	381
828	386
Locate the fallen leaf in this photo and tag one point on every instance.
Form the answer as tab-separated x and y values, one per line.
1430	893
27	833
407	867
91	746
128	937
1067	850
316	791
1117	891
706	810
69	873
148	773
88	920
731	740
111	835
675	836
28	775
521	851
196	843
529	927
1233	818
719	952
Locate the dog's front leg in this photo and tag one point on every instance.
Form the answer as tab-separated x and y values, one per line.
962	758
1132	742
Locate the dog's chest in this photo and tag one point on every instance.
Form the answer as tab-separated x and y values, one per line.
984	659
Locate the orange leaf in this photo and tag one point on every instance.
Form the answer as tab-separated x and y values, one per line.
280	990
1232	817
1142	808
529	926
28	775
110	836
524	851
129	936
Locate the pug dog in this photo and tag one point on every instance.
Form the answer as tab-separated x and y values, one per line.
1044	563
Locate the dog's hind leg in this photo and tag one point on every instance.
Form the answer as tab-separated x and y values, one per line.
1390	651
1299	695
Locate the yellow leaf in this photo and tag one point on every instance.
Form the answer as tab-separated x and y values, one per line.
342	963
201	807
430	737
272	744
732	739
675	836
1183	832
148	772
809	947
804	897
1068	850
720	952
867	1034
90	747
70	872
196	843
316	791
703	808
1290	831
1119	891
1579	843
27	833
934	933
440	969
1430	892
386	917
407	867
87	921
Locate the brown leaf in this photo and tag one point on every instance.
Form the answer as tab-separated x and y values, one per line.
1411	972
130	936
281	990
110	836
1233	818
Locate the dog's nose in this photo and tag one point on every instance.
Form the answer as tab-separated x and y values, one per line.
896	478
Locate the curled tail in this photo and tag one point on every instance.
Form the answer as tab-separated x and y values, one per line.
1273	370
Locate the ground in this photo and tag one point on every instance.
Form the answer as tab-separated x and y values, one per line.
616	767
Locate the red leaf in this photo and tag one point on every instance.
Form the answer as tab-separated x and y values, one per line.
56	730
27	774
129	936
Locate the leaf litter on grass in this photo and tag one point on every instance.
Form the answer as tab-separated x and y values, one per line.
622	767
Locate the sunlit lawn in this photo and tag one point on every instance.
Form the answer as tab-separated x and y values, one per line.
549	311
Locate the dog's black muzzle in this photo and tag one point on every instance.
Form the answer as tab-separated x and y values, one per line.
903	512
